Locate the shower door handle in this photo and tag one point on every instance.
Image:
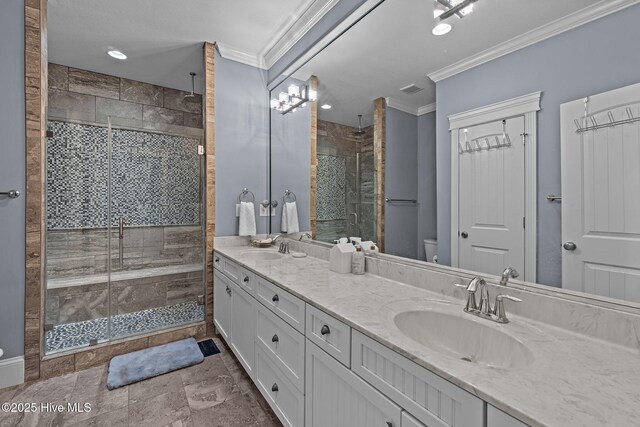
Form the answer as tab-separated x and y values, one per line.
355	216
121	222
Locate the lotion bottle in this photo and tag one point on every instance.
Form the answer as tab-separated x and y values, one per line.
357	261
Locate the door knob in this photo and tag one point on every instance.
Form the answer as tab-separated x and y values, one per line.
464	234
570	246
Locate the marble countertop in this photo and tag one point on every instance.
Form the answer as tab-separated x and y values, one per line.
573	380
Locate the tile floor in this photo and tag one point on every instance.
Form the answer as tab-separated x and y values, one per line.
215	393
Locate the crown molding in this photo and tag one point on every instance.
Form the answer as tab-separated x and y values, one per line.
229	52
342	27
573	20
394	103
303	20
425	109
510	108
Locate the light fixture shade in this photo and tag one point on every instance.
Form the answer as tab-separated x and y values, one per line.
275	103
294	91
467	10
117	54
313	95
283	97
441	29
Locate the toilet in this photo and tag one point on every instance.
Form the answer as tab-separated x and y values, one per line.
431	250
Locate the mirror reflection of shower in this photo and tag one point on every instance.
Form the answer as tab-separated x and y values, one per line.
345	190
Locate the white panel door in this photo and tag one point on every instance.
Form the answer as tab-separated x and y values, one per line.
221	304
601	195
491	196
335	396
243	327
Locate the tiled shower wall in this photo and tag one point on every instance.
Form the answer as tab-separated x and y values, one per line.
81	100
336	197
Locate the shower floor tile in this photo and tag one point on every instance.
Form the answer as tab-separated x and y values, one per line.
70	336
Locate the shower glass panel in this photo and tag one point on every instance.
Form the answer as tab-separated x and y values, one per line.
124	237
156	274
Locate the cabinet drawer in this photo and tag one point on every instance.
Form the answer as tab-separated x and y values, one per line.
428	397
281	302
285	399
329	334
283	344
230	268
218	261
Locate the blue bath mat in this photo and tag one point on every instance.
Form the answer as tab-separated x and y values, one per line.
151	362
208	347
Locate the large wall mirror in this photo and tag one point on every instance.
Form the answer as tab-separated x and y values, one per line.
476	149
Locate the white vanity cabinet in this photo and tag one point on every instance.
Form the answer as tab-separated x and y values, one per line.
234	318
222	304
316	371
335	396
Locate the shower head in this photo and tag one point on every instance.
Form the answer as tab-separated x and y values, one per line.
192	97
359	131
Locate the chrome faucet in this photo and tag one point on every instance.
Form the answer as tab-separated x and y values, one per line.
508	272
307	235
273	239
284	248
496	313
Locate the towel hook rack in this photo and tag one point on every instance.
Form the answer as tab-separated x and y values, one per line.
289	193
244	193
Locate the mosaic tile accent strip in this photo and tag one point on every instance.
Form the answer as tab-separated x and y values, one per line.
78	334
155	177
331	188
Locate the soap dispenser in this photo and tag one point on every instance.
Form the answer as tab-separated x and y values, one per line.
357	261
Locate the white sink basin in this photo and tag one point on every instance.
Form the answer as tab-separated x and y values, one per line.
468	339
264	255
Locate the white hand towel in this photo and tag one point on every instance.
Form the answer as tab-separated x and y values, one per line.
247	219
290	218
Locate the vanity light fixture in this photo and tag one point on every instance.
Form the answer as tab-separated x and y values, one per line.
325	106
295	97
116	54
443	9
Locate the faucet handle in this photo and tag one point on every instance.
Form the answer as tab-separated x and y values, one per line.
499	307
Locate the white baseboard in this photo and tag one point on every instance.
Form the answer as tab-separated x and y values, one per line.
11	371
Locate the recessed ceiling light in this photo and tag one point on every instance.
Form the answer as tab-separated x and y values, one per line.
441	29
325	106
117	54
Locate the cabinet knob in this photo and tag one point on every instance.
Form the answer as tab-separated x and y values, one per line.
275	338
389	424
325	330
228	290
275	298
274	387
246	279
217	260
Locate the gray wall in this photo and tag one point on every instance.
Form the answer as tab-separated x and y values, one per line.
291	159
596	57
401	182
241	140
427	200
335	16
12	176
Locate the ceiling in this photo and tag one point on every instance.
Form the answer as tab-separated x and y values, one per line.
393	47
163	38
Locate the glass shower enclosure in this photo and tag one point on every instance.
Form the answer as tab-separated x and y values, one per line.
124	231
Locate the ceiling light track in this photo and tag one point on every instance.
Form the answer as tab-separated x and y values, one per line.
455	10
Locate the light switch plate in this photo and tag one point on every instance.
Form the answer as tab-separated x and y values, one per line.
264	211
